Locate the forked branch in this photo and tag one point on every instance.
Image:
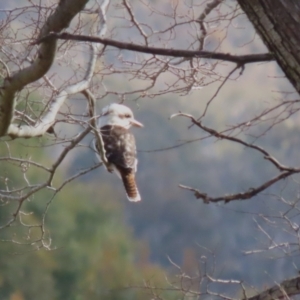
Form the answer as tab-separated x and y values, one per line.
59	20
285	171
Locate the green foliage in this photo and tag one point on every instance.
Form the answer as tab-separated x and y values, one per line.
93	252
95	255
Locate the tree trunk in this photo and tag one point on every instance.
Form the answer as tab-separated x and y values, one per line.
278	22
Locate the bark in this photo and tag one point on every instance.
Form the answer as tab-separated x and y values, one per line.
283	290
277	22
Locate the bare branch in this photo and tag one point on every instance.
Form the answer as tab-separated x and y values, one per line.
218	90
59	20
239	141
44	123
210	6
93	124
286	171
240	196
282	290
134	21
34	190
88	94
238	59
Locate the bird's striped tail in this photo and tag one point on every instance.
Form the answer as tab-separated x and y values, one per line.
130	186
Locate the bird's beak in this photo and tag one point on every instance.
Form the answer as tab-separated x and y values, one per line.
136	123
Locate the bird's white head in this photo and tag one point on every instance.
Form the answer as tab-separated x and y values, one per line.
118	115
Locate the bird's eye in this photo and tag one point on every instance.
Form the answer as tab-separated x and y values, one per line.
127	115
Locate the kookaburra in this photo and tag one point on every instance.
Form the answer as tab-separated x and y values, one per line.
119	144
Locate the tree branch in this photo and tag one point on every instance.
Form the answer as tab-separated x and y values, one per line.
210	6
285	289
240	196
93	123
236	140
286	171
88	94
45	122
64	153
239	59
59	20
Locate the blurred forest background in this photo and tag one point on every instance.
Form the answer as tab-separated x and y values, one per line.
100	245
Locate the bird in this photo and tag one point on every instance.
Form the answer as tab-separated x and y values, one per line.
119	144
